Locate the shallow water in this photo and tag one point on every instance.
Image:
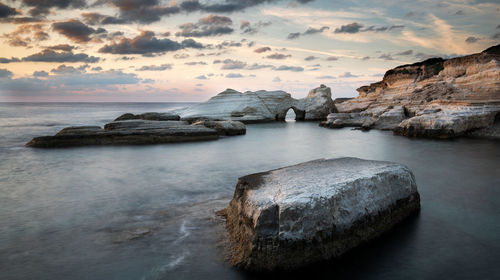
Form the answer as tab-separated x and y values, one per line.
148	212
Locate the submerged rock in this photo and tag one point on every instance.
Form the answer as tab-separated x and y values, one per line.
297	215
261	106
435	98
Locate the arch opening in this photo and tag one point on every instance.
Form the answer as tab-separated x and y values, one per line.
293	113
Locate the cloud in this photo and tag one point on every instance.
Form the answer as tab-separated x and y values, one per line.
310	58
212	25
386	57
61	47
349	28
39	11
61	4
309	31
382	28
294	35
257	66
234	75
68	83
332	58
201	77
142	11
155	67
68	70
278	56
229	64
226	44
6	11
52	56
289	68
247	28
4	73
408	52
471	39
5	60
97	18
149	11
33	32
327	77
276	79
75	30
348	75
181	55
40	74
195	63
146	44
262	49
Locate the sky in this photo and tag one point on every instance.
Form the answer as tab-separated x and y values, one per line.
190	50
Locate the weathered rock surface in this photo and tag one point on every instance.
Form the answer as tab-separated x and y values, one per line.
150	116
434	98
130	132
261	106
293	216
224	128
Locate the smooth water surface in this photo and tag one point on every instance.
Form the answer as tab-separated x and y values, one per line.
148	212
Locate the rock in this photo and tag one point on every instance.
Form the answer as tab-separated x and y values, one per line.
435	98
131	235
446	121
224	128
317	104
132	132
301	214
261	106
151	116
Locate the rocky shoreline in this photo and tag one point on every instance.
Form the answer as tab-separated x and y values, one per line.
436	98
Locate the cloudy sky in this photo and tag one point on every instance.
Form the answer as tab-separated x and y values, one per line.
190	50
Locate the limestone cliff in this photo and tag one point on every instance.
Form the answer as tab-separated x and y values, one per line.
434	98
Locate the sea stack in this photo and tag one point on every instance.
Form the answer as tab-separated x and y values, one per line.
314	211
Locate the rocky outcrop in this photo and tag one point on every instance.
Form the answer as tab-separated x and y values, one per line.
434	98
150	116
261	106
293	216
137	132
317	104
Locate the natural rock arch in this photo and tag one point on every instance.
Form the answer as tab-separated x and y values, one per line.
262	106
299	114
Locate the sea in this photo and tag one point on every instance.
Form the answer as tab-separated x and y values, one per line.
149	212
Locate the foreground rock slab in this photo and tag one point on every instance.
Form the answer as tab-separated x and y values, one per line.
301	214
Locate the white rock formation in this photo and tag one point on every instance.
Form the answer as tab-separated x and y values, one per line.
300	214
261	106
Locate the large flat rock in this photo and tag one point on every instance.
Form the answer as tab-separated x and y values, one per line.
129	132
297	215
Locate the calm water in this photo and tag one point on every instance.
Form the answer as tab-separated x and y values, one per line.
71	213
